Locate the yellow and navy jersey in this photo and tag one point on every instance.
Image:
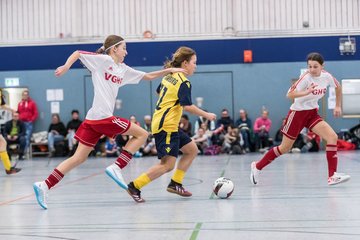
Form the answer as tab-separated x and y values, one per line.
174	93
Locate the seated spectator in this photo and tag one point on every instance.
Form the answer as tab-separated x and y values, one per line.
71	127
149	146
210	124
121	140
262	127
279	134
99	149
298	144
133	120
147	123
56	133
201	140
312	142
232	140
111	148
185	125
225	120
222	125
245	127
15	133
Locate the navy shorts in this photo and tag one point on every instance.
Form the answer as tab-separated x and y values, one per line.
170	143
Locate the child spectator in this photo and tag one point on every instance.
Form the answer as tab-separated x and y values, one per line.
185	125
201	140
111	148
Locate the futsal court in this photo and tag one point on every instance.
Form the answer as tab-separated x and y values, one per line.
292	201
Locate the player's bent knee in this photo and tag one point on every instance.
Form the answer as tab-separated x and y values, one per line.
190	149
332	139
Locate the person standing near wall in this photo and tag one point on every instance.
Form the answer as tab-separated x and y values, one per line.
3	153
109	73
174	97
306	92
28	113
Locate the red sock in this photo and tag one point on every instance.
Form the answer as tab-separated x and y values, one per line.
124	158
331	155
54	178
268	158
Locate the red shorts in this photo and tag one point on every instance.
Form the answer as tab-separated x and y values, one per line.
90	131
297	120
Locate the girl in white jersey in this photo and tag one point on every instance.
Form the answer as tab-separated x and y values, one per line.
306	93
108	74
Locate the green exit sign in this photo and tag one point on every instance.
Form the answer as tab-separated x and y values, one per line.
11	82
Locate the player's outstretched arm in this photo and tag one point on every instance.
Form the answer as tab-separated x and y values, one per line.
197	111
161	73
69	62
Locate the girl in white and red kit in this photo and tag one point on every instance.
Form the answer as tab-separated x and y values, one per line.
109	73
306	93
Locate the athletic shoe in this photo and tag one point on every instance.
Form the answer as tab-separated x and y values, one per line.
295	150
41	192
135	193
13	170
338	178
254	175
114	171
178	189
138	154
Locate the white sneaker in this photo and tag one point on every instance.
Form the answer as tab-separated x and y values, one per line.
41	192
114	172
338	178
254	175
295	150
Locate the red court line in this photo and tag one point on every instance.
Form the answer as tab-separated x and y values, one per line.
65	184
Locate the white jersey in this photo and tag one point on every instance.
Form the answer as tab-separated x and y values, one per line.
107	78
311	101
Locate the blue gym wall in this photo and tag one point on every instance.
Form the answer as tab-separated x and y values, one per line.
222	79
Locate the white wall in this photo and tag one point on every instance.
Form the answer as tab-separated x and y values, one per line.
23	21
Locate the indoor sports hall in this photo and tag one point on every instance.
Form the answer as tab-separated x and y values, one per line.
252	60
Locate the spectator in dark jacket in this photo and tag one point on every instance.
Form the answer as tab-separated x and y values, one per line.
225	120
56	132
14	132
71	127
245	127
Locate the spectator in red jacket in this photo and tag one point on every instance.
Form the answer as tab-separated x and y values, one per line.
28	113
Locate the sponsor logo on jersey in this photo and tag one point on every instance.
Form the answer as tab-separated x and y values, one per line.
319	91
113	78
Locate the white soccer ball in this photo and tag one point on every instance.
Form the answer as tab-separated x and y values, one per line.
223	187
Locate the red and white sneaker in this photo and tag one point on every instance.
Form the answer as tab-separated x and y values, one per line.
338	178
178	189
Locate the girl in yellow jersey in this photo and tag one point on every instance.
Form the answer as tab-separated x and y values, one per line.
3	153
174	97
